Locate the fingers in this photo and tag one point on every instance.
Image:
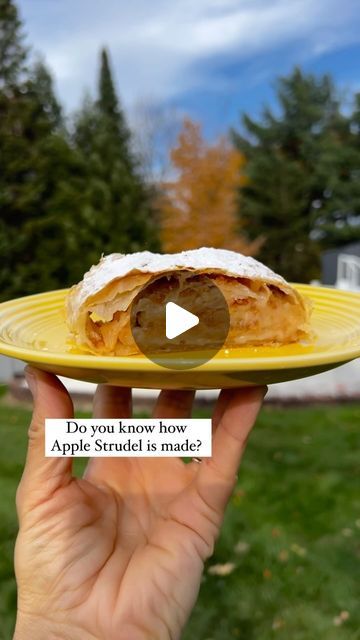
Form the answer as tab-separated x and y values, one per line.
109	402
217	475
220	406
174	404
170	404
42	476
112	402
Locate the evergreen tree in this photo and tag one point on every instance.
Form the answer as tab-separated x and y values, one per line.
38	194
338	222
294	167
38	172
119	214
43	85
108	102
12	51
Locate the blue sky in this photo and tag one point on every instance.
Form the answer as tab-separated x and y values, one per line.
209	58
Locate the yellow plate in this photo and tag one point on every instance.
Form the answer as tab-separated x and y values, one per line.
33	329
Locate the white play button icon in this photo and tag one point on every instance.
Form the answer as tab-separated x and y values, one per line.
179	324
178	320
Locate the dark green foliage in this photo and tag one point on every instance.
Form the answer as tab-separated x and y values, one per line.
12	51
42	80
37	168
339	218
63	201
37	194
108	103
119	214
303	170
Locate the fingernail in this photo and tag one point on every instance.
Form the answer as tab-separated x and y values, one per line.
31	380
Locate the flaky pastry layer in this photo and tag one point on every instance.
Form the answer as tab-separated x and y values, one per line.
264	310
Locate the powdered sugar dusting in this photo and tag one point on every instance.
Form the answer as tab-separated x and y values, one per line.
117	265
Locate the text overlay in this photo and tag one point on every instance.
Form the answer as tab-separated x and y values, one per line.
128	437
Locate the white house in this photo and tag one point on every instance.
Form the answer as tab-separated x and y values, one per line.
341	267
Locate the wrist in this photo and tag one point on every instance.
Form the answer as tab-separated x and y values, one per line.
28	626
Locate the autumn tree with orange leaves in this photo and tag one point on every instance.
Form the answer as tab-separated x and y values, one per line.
199	207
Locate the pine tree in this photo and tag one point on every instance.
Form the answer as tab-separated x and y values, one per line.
108	102
38	194
12	51
338	222
43	85
15	110
294	170
119	214
38	172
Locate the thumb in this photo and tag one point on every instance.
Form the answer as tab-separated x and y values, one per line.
42	476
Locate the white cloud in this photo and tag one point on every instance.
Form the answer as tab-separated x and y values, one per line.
155	45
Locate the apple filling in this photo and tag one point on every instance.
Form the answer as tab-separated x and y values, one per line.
260	313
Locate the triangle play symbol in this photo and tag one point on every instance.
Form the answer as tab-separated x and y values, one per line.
178	320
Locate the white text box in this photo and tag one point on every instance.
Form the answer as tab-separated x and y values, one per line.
128	437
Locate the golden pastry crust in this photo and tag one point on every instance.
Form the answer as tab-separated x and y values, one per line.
264	309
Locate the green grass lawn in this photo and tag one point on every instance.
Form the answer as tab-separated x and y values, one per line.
290	547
